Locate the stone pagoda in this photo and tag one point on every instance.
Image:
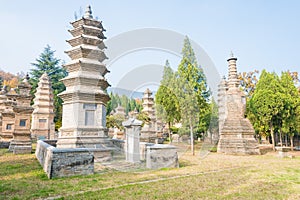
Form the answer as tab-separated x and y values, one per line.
8	101
42	125
119	110
21	142
148	132
85	97
236	131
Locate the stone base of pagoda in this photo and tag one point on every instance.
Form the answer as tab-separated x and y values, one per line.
40	134
237	137
20	147
95	139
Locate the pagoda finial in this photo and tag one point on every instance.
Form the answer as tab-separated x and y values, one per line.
88	13
26	79
231	54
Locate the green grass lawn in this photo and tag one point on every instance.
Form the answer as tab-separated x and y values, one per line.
215	176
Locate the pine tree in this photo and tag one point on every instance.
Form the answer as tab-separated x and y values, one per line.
48	63
166	102
192	91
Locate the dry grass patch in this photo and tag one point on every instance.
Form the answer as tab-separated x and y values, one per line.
215	176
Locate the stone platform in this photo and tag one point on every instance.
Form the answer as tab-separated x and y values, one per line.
237	138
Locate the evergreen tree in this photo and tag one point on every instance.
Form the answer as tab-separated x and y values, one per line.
267	104
167	105
290	113
192	91
48	63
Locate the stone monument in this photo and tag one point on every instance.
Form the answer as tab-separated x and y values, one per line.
148	132
42	125
85	97
132	145
236	131
21	142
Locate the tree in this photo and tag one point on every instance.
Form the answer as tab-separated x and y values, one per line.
128	104
267	103
290	114
166	102
115	121
13	83
48	63
191	90
248	81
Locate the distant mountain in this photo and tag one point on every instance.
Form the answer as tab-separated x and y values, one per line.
128	93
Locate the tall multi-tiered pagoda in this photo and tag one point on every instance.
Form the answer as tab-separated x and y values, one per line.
236	131
21	142
148	132
85	97
8	101
42	124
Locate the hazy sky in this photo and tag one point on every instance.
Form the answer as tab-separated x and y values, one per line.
261	33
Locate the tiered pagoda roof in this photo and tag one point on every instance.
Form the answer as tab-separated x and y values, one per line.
86	80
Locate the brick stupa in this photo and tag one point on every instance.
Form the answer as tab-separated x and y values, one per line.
236	131
42	125
85	97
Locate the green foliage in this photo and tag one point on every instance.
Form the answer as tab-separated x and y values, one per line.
142	116
166	101
274	105
115	121
290	114
48	63
174	129
127	103
184	95
191	90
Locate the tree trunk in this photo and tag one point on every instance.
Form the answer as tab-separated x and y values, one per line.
272	137
170	135
292	142
280	137
192	140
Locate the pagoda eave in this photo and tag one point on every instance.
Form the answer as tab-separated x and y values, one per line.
88	22
83	52
87	30
88	40
80	96
85	65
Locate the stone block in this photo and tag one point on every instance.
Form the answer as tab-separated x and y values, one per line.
22	150
4	145
64	162
161	156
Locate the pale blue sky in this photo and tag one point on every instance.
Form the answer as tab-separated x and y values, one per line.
261	33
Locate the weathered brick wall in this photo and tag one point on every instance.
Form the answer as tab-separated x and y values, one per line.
64	162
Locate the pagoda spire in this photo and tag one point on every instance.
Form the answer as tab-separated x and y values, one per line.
232	72
88	12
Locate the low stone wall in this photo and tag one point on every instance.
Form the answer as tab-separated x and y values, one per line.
143	150
64	162
161	156
120	144
51	142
